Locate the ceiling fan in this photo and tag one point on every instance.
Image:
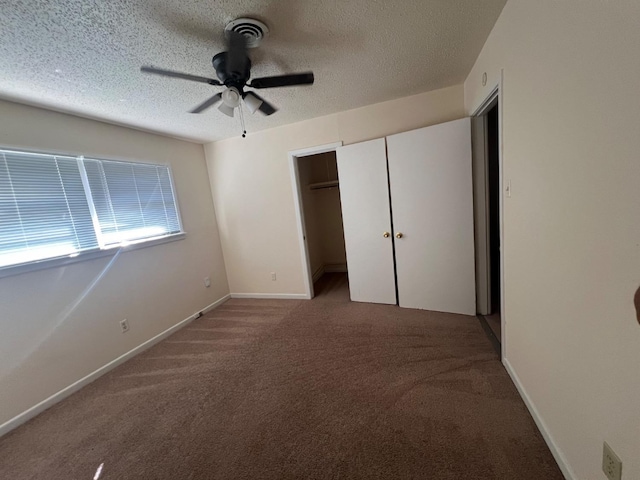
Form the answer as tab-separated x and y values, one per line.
233	69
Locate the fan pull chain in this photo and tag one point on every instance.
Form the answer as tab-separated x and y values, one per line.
244	130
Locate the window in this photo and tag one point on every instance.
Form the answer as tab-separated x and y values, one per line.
55	206
132	201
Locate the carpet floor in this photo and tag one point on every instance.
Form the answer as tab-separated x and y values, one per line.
282	389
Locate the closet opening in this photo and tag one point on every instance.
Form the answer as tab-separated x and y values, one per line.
494	317
317	192
487	208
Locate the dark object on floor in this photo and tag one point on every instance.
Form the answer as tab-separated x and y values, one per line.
279	389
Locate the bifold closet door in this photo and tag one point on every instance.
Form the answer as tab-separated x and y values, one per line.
364	195
432	202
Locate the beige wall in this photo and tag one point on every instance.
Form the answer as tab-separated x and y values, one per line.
322	212
571	115
252	190
54	329
329	214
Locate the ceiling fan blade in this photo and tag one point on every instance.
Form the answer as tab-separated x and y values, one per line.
283	80
236	54
174	74
207	103
265	107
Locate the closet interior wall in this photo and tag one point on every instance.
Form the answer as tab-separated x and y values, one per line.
322	214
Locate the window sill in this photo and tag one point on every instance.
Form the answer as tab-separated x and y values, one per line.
11	270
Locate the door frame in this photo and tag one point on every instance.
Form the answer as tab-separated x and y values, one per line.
481	217
294	155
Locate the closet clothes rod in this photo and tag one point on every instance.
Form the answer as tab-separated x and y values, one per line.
322	185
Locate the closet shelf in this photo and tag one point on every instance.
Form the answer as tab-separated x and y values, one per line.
321	185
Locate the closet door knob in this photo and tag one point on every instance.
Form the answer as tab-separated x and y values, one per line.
386	234
399	235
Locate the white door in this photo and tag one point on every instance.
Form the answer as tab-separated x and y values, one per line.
364	195
432	203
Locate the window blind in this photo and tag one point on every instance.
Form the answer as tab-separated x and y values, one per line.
56	205
132	200
43	208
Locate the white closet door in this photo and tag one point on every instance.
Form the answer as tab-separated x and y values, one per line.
432	203
364	195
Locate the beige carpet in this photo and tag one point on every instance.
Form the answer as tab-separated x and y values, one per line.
280	389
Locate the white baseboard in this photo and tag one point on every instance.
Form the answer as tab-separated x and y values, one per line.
333	268
555	450
275	296
74	387
317	274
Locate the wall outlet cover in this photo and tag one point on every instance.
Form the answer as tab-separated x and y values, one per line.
611	463
124	325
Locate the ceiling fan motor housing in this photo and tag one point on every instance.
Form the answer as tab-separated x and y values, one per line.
230	79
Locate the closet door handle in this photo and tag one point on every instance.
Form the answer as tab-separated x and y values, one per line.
386	234
399	235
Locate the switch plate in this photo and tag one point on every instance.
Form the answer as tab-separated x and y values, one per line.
611	463
124	325
273	276
207	282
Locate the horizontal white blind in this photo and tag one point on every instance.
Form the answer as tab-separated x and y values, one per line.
132	201
43	208
57	206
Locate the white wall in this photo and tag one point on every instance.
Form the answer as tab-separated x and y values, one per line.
54	331
571	115
252	189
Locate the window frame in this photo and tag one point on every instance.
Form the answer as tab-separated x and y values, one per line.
98	252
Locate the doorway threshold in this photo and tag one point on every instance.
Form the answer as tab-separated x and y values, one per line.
495	341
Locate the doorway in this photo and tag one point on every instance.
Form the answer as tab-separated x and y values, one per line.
493	316
487	180
317	201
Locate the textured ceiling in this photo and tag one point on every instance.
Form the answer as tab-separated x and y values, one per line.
84	56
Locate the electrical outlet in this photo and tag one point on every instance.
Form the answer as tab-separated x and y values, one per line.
124	325
273	276
611	463
207	282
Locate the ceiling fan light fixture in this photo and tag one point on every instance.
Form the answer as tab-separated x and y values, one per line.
252	103
231	97
226	109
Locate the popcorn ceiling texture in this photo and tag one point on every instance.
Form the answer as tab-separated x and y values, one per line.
83	56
